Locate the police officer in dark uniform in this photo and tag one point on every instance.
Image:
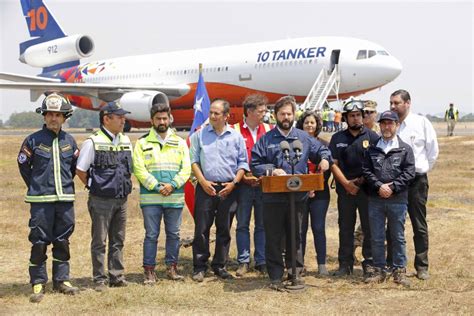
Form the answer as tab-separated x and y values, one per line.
105	167
348	148
47	163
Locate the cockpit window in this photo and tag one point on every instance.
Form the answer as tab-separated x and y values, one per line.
362	54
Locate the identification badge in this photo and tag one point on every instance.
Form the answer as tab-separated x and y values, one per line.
365	144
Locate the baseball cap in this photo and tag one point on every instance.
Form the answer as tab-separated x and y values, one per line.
113	108
389	115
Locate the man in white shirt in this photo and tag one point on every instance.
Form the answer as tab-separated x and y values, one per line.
417	131
105	166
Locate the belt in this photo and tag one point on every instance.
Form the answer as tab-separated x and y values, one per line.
221	184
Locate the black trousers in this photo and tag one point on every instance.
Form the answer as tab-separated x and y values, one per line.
276	220
347	206
207	210
417	198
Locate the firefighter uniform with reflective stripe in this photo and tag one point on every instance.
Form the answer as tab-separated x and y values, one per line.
47	164
154	163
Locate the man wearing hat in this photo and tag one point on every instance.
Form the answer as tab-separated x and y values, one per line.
105	167
389	167
370	116
47	163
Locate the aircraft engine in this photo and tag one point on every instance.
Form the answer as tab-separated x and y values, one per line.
58	51
140	102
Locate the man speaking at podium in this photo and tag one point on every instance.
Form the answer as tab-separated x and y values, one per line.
271	155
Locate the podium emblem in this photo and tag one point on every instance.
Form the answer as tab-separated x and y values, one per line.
294	183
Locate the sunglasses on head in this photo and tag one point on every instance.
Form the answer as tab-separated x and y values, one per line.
368	112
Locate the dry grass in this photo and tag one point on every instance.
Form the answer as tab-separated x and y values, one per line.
449	291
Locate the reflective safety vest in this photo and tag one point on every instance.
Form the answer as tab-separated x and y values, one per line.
455	113
154	163
47	164
110	173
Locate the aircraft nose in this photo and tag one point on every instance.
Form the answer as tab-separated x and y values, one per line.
392	69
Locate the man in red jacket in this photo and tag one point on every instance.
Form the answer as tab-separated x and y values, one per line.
250	193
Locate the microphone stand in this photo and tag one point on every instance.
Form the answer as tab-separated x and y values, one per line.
294	286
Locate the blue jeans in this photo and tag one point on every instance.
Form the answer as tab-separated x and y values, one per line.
317	210
152	218
250	196
395	213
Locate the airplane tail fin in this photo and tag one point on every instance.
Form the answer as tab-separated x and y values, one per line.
43	49
40	21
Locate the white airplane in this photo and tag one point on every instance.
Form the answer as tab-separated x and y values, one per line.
276	68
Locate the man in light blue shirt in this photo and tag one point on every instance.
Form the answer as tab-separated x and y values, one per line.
218	160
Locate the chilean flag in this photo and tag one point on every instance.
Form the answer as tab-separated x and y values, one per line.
201	107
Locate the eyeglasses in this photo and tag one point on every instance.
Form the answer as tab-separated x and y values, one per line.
349	107
368	112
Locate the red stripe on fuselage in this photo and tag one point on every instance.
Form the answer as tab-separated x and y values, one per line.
182	108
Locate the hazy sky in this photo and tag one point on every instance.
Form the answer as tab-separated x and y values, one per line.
433	40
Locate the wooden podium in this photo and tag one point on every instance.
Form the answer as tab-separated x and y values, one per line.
291	184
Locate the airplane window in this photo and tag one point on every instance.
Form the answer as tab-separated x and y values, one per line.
362	54
382	52
372	53
226	68
310	61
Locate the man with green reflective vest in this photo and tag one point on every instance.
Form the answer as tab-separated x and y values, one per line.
451	117
47	163
162	166
105	167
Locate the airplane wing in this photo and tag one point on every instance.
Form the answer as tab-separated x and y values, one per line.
106	92
23	78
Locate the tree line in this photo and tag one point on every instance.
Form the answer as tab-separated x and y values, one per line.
30	119
90	119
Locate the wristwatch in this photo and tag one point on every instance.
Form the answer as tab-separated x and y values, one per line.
235	182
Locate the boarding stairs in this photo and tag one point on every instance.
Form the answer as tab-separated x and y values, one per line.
327	82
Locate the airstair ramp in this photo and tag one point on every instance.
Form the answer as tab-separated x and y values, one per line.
326	82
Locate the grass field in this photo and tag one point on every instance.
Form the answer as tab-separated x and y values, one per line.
449	291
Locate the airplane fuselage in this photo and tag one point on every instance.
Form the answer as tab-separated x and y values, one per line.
277	68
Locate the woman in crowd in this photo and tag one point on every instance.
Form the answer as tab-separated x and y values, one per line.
318	201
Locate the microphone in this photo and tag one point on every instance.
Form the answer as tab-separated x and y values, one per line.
298	149
285	148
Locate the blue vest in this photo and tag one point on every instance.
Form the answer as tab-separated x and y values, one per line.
111	171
